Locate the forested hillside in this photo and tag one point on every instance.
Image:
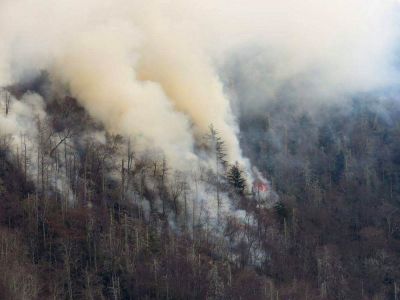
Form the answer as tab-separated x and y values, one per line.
336	170
211	150
126	227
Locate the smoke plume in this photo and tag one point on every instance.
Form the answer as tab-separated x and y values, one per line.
151	69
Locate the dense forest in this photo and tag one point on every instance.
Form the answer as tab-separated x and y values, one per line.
126	226
336	171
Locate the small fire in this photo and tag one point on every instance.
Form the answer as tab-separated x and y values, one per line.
263	191
260	184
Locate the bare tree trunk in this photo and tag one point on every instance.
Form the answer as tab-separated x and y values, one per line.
67	262
122	191
7	101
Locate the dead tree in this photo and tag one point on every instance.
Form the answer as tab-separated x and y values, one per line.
217	146
7	101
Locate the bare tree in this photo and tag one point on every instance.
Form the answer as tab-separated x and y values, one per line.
7	100
217	146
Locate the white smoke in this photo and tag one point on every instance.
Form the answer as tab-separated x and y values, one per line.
149	69
26	131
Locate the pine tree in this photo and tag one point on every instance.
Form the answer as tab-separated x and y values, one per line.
217	146
236	179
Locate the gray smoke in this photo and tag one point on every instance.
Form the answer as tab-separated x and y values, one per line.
151	69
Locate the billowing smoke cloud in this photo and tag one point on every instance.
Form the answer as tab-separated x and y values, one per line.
103	79
149	69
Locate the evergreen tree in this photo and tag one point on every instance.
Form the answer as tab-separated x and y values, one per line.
217	146
236	179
